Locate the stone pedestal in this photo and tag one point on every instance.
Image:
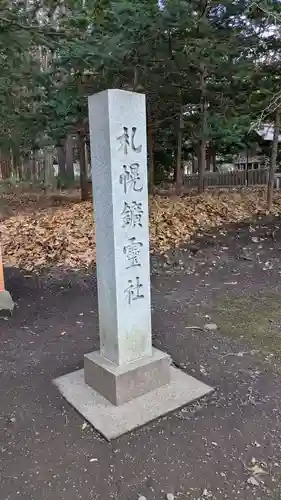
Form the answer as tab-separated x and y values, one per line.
6	301
120	384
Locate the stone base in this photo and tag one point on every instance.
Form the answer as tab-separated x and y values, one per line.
113	421
6	302
120	384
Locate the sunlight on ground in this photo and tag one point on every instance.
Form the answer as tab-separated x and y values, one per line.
255	319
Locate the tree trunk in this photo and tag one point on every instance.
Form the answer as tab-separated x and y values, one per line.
20	169
16	161
201	165
203	132
208	157
150	158
49	178
213	157
273	159
5	162
150	146
34	167
83	168
86	157
62	169
179	176
69	159
26	171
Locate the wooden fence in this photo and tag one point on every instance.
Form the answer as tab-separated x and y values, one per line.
229	179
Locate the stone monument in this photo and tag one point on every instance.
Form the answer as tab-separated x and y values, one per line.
126	366
127	382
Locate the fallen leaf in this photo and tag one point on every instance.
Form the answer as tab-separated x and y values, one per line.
43	232
170	496
253	481
203	370
211	327
206	493
257	470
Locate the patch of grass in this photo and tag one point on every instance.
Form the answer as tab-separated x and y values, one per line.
254	318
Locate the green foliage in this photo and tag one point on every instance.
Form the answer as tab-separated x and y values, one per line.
223	55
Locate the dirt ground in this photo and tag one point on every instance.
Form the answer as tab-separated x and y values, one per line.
227	446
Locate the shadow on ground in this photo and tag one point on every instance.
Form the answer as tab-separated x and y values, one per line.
224	447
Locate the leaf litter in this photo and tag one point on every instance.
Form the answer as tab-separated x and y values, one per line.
63	233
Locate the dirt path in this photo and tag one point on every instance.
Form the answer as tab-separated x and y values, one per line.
225	447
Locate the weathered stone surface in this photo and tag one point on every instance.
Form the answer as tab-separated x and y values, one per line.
6	302
127	383
120	384
119	173
113	421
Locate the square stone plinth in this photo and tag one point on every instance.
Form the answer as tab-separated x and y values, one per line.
113	421
120	384
6	302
